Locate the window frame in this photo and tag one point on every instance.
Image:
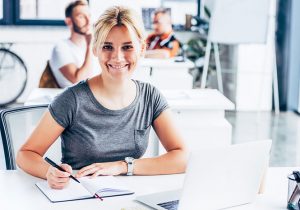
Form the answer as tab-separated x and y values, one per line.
11	15
7	16
40	22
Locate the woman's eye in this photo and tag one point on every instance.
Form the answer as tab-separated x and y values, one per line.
127	47
107	47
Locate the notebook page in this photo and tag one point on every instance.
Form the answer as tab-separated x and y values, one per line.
73	191
103	183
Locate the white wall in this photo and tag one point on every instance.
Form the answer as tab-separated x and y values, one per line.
34	45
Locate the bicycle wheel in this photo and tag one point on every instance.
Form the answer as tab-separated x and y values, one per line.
13	76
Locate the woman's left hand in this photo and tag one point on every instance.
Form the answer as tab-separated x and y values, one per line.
109	168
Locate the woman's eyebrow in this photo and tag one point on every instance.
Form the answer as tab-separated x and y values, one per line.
110	43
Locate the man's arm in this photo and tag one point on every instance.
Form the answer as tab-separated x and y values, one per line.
175	49
157	53
164	52
74	73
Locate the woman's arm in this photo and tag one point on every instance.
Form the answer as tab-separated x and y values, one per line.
30	156
174	161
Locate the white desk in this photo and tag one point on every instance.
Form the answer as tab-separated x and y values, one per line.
200	116
40	96
166	63
165	73
198	113
18	191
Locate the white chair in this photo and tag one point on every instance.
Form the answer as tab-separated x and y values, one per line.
16	124
239	22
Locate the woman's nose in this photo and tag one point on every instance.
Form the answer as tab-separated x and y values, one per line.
118	54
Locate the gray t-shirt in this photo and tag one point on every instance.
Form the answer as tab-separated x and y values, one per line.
94	133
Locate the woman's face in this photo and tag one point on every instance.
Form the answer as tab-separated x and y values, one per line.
119	53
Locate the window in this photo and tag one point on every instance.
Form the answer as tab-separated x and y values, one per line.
45	9
40	12
179	9
32	12
145	7
51	12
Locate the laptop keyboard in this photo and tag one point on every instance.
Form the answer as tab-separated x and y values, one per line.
170	205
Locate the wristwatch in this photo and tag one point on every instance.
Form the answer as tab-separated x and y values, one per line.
129	161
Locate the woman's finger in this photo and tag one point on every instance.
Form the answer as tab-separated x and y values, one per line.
57	186
58	173
97	173
67	168
87	168
89	171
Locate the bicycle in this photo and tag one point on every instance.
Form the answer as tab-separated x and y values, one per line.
13	75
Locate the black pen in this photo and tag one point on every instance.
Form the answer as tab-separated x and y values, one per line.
60	168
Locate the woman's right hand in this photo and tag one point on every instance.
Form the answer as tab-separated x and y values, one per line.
58	179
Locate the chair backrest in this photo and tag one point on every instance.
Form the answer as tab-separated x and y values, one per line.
2	157
48	80
16	124
239	21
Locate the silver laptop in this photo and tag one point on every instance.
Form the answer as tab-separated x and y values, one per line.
217	178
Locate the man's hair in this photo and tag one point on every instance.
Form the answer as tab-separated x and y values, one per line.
72	5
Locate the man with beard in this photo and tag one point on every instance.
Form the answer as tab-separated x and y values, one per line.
162	43
71	59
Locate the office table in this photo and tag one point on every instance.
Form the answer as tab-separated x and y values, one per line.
200	116
165	73
18	192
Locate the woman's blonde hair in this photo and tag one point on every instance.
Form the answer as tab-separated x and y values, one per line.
118	16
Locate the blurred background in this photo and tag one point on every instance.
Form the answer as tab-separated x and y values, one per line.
30	29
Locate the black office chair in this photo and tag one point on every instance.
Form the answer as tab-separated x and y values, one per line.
16	124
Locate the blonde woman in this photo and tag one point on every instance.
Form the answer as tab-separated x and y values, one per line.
104	122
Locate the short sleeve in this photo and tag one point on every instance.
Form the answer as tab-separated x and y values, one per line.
61	56
63	108
159	103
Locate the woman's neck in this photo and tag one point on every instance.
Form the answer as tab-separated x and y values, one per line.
115	88
115	94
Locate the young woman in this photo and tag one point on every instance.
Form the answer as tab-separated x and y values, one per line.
104	122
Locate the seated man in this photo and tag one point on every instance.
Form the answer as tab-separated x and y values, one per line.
71	59
162	42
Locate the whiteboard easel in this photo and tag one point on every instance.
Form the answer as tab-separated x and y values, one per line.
239	22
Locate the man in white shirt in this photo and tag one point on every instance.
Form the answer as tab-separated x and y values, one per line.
71	59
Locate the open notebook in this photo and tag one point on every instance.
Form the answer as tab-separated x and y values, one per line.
103	186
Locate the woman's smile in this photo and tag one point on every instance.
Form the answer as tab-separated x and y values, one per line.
118	67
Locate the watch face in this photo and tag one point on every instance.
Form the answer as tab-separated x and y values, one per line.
129	159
